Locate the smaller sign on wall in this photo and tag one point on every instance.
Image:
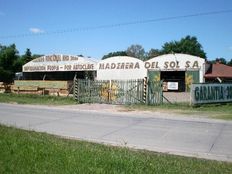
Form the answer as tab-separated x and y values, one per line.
211	93
172	85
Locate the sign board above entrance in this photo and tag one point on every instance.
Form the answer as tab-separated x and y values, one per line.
121	68
51	63
176	62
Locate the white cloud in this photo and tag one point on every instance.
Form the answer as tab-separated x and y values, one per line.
36	30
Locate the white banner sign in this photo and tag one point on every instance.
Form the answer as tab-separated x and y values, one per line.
173	85
60	63
211	93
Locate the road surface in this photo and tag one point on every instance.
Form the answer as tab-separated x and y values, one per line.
155	131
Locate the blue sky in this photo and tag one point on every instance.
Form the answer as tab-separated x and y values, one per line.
42	18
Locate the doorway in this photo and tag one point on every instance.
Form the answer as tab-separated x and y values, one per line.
175	80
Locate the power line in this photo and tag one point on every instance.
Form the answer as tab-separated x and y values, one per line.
79	29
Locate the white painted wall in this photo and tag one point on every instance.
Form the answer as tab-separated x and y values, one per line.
177	62
121	68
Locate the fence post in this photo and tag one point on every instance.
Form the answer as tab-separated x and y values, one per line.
109	91
145	90
76	87
161	91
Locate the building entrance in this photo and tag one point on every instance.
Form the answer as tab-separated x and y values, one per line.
173	80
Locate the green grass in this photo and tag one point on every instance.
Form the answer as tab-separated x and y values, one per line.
30	152
219	111
35	99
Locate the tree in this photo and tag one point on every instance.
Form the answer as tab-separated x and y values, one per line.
27	57
187	45
18	65
220	60
34	56
8	57
112	54
136	51
153	53
229	62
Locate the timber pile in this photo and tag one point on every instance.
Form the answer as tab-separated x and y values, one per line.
59	88
4	87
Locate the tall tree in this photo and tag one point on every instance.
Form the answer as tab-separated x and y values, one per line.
27	57
229	62
34	56
187	45
112	54
153	53
8	57
136	51
220	60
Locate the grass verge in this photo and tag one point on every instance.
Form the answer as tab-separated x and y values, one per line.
35	99
30	152
218	111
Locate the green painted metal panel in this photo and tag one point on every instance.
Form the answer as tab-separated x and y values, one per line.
190	78
154	76
155	93
154	88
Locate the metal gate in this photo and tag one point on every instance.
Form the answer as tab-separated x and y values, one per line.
109	91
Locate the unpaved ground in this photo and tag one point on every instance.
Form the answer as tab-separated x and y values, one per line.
95	107
161	113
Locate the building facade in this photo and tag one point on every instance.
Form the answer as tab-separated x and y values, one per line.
59	67
177	71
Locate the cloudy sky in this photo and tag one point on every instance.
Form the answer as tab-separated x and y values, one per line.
95	28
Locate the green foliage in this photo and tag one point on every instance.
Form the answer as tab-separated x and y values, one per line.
187	45
5	75
221	60
8	62
30	152
136	51
113	54
27	57
153	53
229	62
8	55
11	62
34	56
